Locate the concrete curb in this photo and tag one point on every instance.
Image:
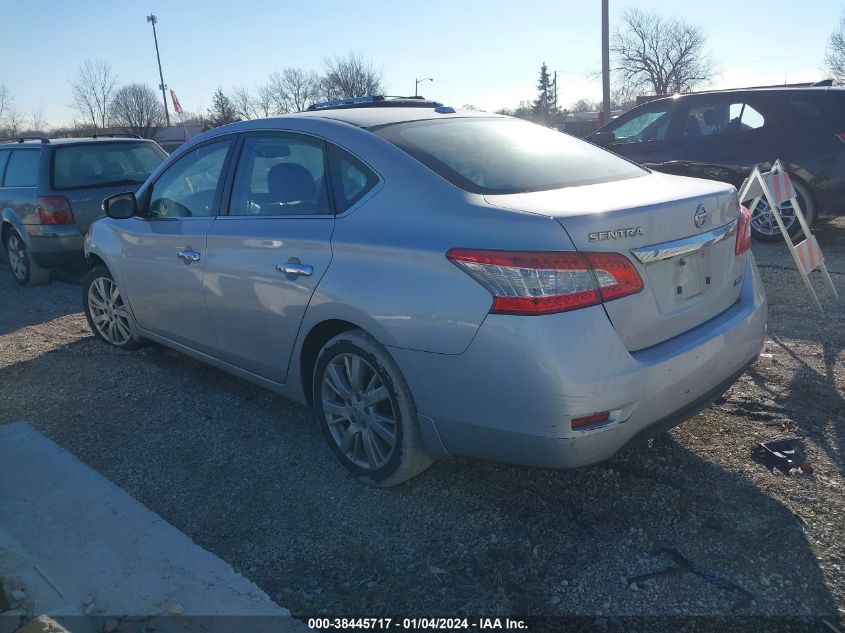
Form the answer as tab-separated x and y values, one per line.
77	545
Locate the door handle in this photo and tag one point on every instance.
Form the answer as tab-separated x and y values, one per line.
294	268
189	255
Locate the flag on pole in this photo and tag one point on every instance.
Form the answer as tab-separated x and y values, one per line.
177	107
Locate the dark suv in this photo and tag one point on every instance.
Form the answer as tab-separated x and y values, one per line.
721	135
51	191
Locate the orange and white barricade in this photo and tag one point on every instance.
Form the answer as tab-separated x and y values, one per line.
776	187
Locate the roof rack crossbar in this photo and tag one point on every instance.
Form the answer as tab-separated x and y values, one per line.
333	103
117	135
43	139
374	101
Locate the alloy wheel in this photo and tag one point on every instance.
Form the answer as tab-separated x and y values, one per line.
359	411
17	256
764	222
108	312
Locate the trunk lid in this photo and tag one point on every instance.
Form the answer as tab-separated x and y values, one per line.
678	232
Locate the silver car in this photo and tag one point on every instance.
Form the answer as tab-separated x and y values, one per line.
436	283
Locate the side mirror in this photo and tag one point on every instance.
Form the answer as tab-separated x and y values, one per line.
603	138
120	206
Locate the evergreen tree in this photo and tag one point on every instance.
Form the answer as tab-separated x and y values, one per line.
545	106
222	110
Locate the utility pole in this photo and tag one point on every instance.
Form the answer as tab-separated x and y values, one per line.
555	91
153	19
605	62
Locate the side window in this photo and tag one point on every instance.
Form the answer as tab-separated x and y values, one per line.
807	116
720	117
4	156
650	125
189	186
22	170
351	179
704	119
744	118
281	175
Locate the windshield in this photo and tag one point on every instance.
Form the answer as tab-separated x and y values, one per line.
104	164
498	156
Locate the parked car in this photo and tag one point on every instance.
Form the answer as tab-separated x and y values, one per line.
721	135
51	191
436	283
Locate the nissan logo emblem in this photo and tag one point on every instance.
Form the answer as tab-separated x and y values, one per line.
700	216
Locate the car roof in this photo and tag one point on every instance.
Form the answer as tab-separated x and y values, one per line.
77	140
764	90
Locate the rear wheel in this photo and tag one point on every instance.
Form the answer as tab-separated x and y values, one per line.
365	409
764	226
107	313
24	269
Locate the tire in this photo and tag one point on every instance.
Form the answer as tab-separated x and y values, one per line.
765	229
357	419
24	268
108	315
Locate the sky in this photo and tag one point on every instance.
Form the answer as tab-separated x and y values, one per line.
484	53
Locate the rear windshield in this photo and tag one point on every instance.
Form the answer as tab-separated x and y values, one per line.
104	164
498	156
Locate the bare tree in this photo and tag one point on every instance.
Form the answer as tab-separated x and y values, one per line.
264	101
293	90
351	76
623	96
37	120
93	89
5	101
835	56
585	105
244	104
137	108
664	55
15	121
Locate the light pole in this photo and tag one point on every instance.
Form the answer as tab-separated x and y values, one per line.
153	19
417	85
605	63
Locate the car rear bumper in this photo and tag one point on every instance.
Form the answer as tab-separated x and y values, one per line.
511	395
55	246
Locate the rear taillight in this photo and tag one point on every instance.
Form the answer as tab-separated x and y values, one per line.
545	282
743	231
54	210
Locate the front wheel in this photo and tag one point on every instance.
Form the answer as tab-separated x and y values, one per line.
366	411
106	311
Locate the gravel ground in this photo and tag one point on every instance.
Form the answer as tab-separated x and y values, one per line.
247	475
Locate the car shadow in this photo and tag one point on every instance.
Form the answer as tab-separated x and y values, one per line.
247	475
798	372
21	307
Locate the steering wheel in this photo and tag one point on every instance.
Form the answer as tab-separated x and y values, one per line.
169	208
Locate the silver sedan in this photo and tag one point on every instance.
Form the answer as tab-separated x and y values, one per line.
436	282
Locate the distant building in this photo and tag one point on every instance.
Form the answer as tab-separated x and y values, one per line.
582	124
172	137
